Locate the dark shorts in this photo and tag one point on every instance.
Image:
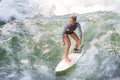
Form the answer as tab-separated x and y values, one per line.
69	32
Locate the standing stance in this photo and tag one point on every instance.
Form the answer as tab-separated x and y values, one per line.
69	30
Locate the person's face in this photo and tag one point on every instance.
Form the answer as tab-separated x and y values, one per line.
72	21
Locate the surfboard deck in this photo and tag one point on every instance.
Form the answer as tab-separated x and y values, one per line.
63	65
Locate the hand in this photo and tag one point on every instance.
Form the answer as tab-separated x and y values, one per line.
80	39
63	43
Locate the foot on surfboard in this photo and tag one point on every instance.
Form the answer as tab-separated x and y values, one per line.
77	50
67	60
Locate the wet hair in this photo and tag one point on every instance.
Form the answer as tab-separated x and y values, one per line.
74	18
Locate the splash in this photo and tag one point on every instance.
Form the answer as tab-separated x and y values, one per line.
24	9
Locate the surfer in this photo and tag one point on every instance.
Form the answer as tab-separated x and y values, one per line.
69	30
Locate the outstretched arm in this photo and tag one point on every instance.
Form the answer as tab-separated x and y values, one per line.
80	31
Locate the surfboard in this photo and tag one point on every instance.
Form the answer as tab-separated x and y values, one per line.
63	65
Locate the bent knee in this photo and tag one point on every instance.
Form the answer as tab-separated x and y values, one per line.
69	44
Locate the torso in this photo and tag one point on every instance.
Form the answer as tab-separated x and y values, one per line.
71	28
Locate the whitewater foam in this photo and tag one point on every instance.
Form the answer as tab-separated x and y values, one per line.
29	8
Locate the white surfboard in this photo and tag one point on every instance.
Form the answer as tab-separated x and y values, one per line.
63	65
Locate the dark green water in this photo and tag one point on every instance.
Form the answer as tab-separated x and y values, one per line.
30	49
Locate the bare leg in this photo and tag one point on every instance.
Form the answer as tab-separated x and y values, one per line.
77	40
68	44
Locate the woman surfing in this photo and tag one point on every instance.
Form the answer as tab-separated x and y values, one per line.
69	31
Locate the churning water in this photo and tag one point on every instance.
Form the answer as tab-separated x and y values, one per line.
30	42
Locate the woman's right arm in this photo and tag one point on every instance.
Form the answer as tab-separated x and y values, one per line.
63	33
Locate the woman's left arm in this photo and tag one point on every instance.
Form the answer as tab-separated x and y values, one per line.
80	30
